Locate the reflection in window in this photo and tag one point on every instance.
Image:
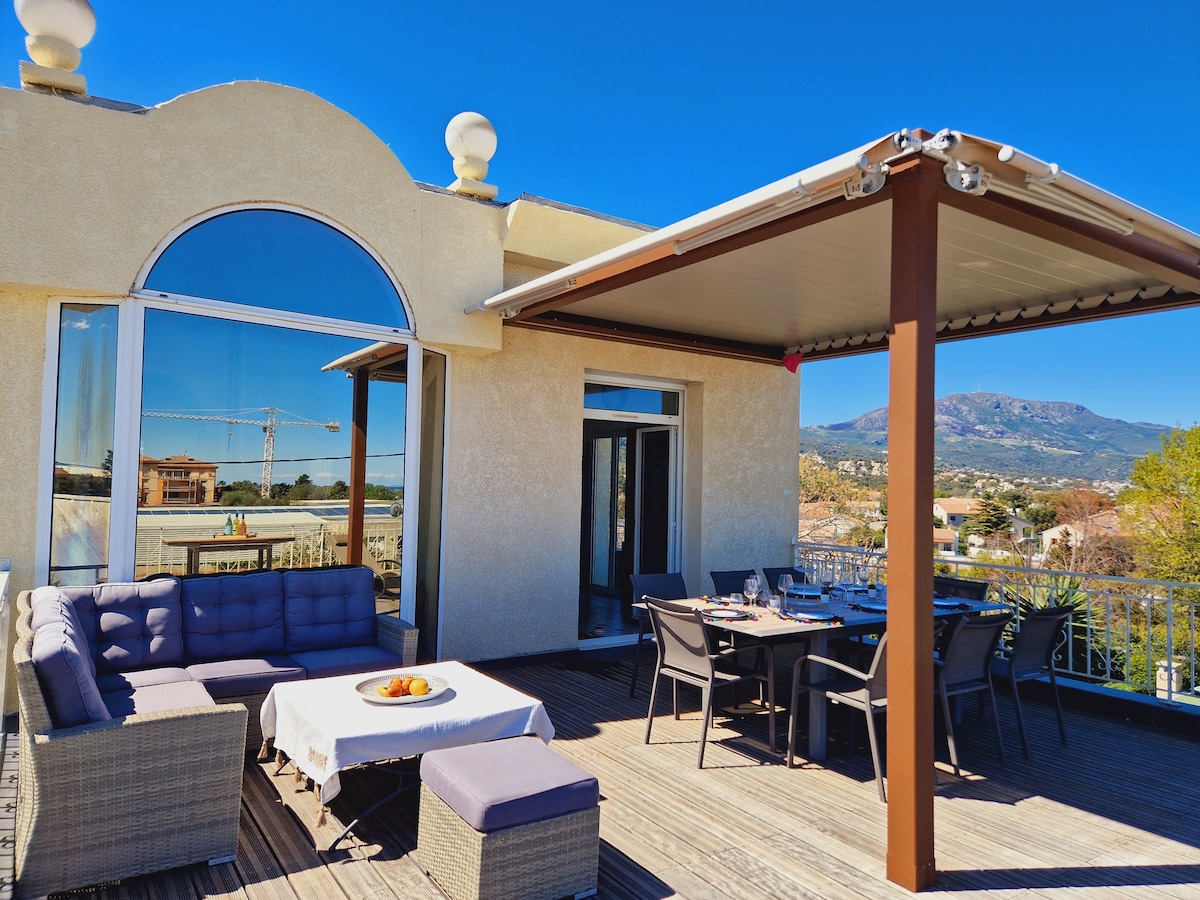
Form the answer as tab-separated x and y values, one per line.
240	423
83	442
619	398
278	260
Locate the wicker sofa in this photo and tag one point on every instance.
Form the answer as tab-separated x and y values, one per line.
138	703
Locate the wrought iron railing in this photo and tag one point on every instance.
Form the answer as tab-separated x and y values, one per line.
1132	634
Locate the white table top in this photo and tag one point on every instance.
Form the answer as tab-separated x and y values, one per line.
325	726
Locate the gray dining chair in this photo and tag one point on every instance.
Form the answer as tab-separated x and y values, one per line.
865	691
1032	656
687	654
730	581
665	586
966	668
799	576
966	588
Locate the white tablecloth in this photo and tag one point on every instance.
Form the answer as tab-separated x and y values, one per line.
325	726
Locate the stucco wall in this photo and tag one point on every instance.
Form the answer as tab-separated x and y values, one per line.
97	190
514	447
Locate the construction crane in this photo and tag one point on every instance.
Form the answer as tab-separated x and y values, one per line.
268	427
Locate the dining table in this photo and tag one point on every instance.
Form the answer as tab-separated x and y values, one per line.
844	611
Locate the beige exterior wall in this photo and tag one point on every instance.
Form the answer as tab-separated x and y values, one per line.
92	192
515	448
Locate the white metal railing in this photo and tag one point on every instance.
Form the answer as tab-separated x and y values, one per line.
310	546
1133	634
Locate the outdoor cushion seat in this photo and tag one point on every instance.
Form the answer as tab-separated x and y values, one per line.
253	675
500	784
347	661
66	673
153	698
508	820
109	682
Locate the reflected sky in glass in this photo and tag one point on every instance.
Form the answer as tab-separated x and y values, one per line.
217	369
278	260
630	399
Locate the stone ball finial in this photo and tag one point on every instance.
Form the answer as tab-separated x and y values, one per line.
471	140
57	29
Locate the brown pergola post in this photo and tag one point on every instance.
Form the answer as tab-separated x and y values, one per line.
910	846
358	467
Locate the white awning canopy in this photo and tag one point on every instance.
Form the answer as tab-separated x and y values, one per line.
804	264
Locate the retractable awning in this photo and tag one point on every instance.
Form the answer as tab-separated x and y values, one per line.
803	264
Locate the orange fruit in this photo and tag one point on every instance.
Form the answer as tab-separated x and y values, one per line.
419	687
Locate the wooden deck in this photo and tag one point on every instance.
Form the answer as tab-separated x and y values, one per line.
1113	815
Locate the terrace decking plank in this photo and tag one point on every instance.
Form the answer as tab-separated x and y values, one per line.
1110	816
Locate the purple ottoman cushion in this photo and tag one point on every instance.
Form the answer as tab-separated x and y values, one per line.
157	698
347	661
232	616
500	784
253	675
329	608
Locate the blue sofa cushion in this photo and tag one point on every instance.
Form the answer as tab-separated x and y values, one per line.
66	674
347	661
108	682
157	698
137	625
233	616
329	608
49	605
248	675
500	784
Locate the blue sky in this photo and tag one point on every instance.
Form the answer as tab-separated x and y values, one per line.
654	111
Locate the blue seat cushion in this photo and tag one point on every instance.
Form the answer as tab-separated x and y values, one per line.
233	616
500	784
157	698
128	681
138	625
250	675
347	661
66	675
329	608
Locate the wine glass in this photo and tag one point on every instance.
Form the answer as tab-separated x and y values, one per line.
785	584
750	589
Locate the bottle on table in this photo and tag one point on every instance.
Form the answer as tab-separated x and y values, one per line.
229	524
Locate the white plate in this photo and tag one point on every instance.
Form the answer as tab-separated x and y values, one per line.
369	689
871	606
947	603
718	612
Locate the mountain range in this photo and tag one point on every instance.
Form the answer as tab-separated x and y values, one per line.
1005	435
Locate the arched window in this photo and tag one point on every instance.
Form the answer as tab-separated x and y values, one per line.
275	259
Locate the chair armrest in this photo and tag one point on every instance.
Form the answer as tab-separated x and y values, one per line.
394	634
840	666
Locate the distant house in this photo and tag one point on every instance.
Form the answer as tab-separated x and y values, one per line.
945	542
1072	534
953	511
828	522
176	480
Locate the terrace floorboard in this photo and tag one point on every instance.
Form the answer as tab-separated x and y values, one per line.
1112	815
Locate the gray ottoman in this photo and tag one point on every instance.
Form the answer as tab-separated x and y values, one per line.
508	819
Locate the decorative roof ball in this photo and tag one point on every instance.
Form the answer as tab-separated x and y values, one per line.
57	29
471	140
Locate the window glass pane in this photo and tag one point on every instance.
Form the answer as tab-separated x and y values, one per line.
227	406
278	260
630	399
83	442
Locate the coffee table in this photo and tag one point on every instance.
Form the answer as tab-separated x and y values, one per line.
324	726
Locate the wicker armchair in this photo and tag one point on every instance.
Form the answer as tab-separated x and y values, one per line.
124	797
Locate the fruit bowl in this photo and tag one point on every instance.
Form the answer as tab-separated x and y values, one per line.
369	689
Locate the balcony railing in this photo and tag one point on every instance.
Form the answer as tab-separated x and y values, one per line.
1132	634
